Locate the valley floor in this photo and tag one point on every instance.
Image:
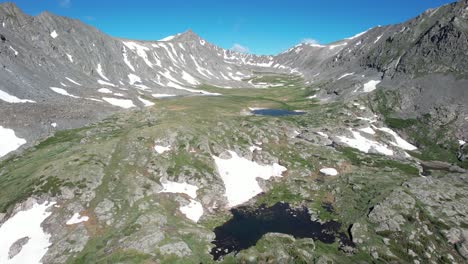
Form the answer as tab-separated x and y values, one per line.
152	185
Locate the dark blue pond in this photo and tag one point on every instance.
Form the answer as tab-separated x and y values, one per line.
275	112
248	225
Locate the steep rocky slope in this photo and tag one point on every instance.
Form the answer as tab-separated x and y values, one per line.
183	152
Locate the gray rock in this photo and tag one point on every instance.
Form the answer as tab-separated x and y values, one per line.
17	246
179	249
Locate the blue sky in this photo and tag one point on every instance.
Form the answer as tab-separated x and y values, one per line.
261	26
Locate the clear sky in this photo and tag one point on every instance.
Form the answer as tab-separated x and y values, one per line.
260	26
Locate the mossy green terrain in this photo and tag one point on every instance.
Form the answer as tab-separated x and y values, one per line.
110	172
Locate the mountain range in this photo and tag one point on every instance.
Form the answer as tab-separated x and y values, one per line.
101	131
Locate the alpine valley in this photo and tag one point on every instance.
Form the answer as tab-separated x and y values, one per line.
178	151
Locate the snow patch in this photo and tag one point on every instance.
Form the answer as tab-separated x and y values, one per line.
145	102
54	34
365	145
63	92
125	56
240	177
9	142
161	149
168	38
15	51
345	75
370	86
70	57
189	78
134	79
368	130
105	83
329	171
175	187
72	81
13	99
378	38
104	90
77	218
399	142
124	103
193	211
26	223
140	50
253	148
100	72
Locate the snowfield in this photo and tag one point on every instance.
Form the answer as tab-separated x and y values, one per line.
175	187
63	92
329	171
23	224
124	103
400	142
13	99
54	34
240	177
77	218
161	149
370	86
365	144
9	141
193	211
145	102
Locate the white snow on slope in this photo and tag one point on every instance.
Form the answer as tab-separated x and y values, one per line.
364	144
140	50
189	78
175	187
240	177
124	103
162	95
168	38
378	38
125	56
345	75
100	72
104	90
329	171
70	57
400	142
145	102
63	92
358	35
332	47
26	223
72	81
253	148
161	149
15	51
9	141
193	211
54	34
105	83
368	130
134	79
76	219
370	86
13	99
